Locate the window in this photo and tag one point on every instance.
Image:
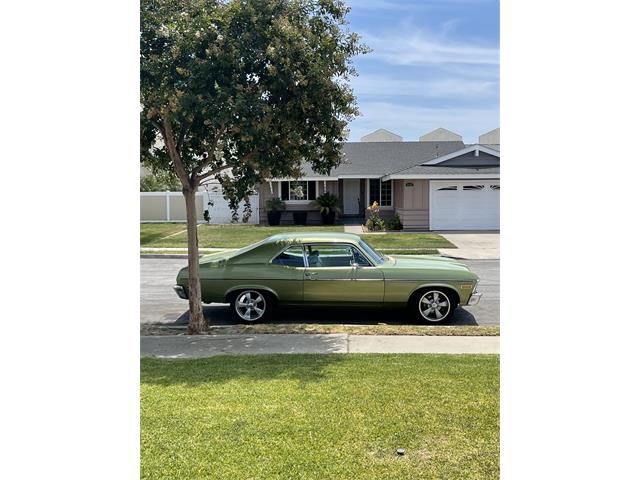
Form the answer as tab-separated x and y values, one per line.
291	257
473	187
495	187
298	190
330	255
380	192
452	187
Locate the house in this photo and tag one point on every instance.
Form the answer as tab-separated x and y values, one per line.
436	183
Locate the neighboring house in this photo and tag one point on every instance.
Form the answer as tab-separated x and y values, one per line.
437	183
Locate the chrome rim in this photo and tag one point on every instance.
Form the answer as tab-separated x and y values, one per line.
250	305
434	306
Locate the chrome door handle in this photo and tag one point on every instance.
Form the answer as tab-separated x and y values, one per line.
311	275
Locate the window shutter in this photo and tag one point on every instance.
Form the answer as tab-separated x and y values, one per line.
285	190
311	188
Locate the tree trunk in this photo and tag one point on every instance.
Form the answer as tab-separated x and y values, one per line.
197	323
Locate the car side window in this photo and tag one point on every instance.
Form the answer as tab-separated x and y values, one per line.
329	255
291	257
360	259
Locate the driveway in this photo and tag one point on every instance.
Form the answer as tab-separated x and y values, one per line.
160	305
472	245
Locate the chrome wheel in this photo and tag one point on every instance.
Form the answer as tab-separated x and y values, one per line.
434	306
250	305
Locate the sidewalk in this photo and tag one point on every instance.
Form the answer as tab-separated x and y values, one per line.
184	346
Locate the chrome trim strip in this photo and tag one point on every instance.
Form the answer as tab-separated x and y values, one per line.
421	280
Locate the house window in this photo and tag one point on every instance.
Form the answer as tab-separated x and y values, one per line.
473	187
298	190
452	187
380	192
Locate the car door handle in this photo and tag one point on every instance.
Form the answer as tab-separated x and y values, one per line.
311	275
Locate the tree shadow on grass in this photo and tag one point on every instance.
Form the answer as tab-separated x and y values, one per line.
305	369
219	315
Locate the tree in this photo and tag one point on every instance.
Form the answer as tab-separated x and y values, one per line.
160	182
242	91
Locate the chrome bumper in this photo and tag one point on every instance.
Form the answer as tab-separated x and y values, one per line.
179	289
474	298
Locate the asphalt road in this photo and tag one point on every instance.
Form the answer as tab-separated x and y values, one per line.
160	305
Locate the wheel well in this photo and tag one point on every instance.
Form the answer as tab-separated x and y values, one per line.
455	298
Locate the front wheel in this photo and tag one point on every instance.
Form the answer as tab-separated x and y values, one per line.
433	305
251	306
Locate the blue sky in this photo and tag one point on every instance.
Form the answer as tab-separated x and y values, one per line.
435	63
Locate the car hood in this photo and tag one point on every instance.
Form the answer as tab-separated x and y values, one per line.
430	262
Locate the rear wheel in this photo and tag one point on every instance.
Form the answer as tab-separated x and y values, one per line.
251	306
433	305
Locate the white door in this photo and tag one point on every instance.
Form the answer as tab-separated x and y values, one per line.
351	195
464	204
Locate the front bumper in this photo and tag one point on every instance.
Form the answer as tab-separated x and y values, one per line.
179	289
474	298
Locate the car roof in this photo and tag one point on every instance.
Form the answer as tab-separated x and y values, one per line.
314	237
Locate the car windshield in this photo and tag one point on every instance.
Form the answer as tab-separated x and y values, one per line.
377	258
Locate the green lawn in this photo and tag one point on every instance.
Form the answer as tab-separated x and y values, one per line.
232	236
320	416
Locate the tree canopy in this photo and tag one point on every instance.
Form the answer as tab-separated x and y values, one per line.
250	88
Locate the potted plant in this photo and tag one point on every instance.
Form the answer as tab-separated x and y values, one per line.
328	205
275	206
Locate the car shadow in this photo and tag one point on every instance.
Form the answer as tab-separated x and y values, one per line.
219	315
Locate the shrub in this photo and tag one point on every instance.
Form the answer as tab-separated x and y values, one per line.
275	204
327	202
394	223
374	222
160	182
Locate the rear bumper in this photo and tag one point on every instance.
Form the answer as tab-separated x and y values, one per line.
474	299
180	291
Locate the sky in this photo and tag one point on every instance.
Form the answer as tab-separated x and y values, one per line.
435	63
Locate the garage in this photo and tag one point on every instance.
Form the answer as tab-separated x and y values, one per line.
464	204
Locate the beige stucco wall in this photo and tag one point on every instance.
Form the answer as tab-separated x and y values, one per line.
412	203
381	135
490	138
441	135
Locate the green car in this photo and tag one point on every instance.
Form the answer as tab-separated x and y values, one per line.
330	269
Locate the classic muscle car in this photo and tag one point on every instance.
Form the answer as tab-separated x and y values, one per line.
330	269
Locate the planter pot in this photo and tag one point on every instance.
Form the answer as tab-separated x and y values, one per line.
273	217
300	218
328	218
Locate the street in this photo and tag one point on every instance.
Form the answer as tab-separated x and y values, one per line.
160	305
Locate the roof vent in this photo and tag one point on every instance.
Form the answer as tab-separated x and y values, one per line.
490	138
381	135
441	135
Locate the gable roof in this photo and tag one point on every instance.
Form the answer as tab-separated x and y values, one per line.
468	149
375	159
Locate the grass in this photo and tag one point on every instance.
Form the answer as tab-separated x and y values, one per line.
320	416
299	328
233	236
407	241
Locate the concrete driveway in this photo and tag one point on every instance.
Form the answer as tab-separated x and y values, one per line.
472	245
160	305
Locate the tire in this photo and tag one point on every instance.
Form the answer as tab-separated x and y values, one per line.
251	306
433	305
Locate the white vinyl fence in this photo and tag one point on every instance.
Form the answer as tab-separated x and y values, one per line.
169	207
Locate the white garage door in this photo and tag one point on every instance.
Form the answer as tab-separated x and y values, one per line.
465	205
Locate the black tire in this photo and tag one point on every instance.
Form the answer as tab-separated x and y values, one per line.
433	305
251	305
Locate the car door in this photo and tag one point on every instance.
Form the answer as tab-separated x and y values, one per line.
340	273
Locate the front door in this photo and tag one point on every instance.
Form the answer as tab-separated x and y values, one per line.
339	273
351	196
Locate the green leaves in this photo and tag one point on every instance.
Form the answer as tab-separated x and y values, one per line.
251	89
